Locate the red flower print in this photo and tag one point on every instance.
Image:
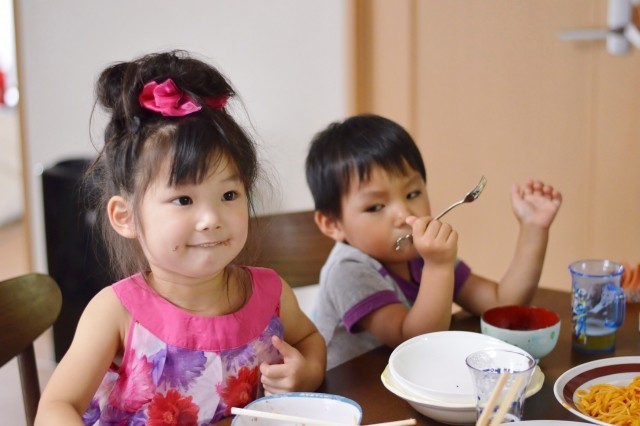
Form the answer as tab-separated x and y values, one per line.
240	390
172	409
131	394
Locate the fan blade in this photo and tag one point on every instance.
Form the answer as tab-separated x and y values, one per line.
633	35
569	35
594	34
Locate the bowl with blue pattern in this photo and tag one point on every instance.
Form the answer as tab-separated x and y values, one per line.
310	405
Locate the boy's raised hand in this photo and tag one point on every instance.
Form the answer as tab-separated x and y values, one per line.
535	203
435	241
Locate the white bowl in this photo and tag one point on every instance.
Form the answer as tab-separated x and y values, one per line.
319	406
433	365
448	412
531	328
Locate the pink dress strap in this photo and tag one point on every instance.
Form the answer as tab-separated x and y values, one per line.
183	329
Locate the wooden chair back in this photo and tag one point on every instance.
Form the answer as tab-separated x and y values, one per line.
291	244
29	305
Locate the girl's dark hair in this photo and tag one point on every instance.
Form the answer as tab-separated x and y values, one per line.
137	140
349	149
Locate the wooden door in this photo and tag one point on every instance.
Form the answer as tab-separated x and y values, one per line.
488	88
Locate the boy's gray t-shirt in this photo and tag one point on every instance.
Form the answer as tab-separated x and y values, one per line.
352	285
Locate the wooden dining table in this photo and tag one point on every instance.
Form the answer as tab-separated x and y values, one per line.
359	378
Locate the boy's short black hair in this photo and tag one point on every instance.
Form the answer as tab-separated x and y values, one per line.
353	146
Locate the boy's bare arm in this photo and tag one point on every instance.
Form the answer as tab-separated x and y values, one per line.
519	283
535	205
393	324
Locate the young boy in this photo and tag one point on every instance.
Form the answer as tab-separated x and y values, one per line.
368	183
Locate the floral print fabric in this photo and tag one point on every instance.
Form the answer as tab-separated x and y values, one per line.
160	383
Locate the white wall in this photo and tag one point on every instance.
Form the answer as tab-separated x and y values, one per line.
288	59
7	42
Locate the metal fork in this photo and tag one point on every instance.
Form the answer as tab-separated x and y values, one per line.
470	197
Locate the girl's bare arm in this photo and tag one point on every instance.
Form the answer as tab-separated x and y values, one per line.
304	350
97	340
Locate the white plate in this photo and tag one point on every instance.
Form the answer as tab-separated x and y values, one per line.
433	365
616	371
449	412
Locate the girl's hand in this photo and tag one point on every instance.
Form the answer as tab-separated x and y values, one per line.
435	241
291	375
535	203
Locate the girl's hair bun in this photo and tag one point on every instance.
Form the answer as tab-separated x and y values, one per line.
110	85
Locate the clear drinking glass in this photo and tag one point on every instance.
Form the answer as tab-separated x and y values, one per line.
486	367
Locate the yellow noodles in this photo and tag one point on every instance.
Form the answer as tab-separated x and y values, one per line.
618	405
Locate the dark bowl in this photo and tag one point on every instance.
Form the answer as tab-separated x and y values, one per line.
516	317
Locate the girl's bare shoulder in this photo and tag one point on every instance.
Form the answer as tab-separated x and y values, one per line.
105	312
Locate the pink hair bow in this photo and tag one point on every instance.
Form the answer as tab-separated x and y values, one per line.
170	101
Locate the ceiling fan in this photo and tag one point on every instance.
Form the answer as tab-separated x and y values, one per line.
623	28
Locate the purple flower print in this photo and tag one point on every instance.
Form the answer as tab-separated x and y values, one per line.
263	347
235	358
139	419
158	359
112	416
182	367
256	352
219	415
93	412
274	327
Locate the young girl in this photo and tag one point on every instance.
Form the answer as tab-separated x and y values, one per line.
189	334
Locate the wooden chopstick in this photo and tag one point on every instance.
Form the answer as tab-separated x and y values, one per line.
483	420
282	417
405	422
506	402
306	420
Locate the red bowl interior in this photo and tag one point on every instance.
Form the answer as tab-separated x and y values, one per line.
520	317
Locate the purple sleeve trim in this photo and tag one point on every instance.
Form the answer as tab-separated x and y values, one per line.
461	274
366	306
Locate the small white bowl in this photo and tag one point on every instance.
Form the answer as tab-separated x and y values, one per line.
448	412
433	365
320	406
530	328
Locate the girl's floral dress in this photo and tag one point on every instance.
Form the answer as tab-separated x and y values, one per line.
184	369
